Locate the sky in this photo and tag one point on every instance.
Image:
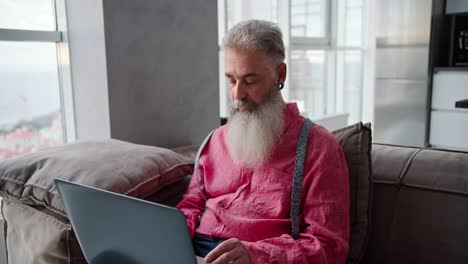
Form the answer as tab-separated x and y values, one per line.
27	14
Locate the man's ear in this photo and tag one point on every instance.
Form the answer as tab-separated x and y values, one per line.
281	71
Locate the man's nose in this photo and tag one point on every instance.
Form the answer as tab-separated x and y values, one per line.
239	92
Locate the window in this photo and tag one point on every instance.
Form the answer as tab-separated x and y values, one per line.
307	75
32	77
325	52
309	18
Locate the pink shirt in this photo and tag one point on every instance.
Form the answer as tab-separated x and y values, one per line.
253	204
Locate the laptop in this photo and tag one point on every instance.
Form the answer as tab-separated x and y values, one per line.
114	228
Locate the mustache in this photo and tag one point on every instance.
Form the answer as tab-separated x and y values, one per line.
243	103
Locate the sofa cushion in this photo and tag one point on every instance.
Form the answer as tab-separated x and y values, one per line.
392	173
356	143
34	236
431	207
117	166
419	206
429	170
428	226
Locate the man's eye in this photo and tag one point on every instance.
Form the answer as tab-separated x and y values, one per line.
248	82
232	81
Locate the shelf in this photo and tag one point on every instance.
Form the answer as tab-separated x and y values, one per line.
460	68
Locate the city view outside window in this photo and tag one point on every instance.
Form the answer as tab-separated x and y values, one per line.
30	96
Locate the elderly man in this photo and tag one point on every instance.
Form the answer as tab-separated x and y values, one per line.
240	204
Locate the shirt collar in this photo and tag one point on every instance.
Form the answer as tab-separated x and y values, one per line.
291	114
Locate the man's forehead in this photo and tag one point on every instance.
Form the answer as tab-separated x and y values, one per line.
244	71
245	63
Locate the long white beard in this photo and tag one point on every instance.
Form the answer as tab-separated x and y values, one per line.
251	135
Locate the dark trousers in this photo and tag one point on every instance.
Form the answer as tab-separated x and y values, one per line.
203	245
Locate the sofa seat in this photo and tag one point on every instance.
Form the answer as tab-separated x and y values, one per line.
420	206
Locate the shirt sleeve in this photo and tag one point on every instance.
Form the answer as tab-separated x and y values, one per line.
193	203
324	216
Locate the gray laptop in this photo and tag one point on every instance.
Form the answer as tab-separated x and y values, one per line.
113	228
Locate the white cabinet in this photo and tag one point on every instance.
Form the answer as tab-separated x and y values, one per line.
456	6
449	125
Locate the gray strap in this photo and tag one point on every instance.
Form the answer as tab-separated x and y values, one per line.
297	180
196	162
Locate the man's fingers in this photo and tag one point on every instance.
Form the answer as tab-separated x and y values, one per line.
225	246
227	257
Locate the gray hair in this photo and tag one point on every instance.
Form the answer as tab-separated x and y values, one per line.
257	35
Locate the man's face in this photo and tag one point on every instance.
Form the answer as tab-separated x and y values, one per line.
250	77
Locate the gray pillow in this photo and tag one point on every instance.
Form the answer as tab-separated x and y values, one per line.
117	166
356	142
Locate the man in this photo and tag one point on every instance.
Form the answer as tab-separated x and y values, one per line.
238	203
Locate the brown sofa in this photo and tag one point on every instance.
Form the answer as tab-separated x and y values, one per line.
420	206
419	209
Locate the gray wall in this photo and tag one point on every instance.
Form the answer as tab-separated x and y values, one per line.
162	64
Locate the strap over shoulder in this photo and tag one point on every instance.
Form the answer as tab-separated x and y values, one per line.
298	174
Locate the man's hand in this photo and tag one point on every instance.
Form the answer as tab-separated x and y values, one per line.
229	251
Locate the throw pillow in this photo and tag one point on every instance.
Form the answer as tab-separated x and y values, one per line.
113	165
356	142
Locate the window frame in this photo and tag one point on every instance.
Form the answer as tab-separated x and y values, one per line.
59	36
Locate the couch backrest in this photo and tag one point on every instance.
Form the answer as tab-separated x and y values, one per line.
420	206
